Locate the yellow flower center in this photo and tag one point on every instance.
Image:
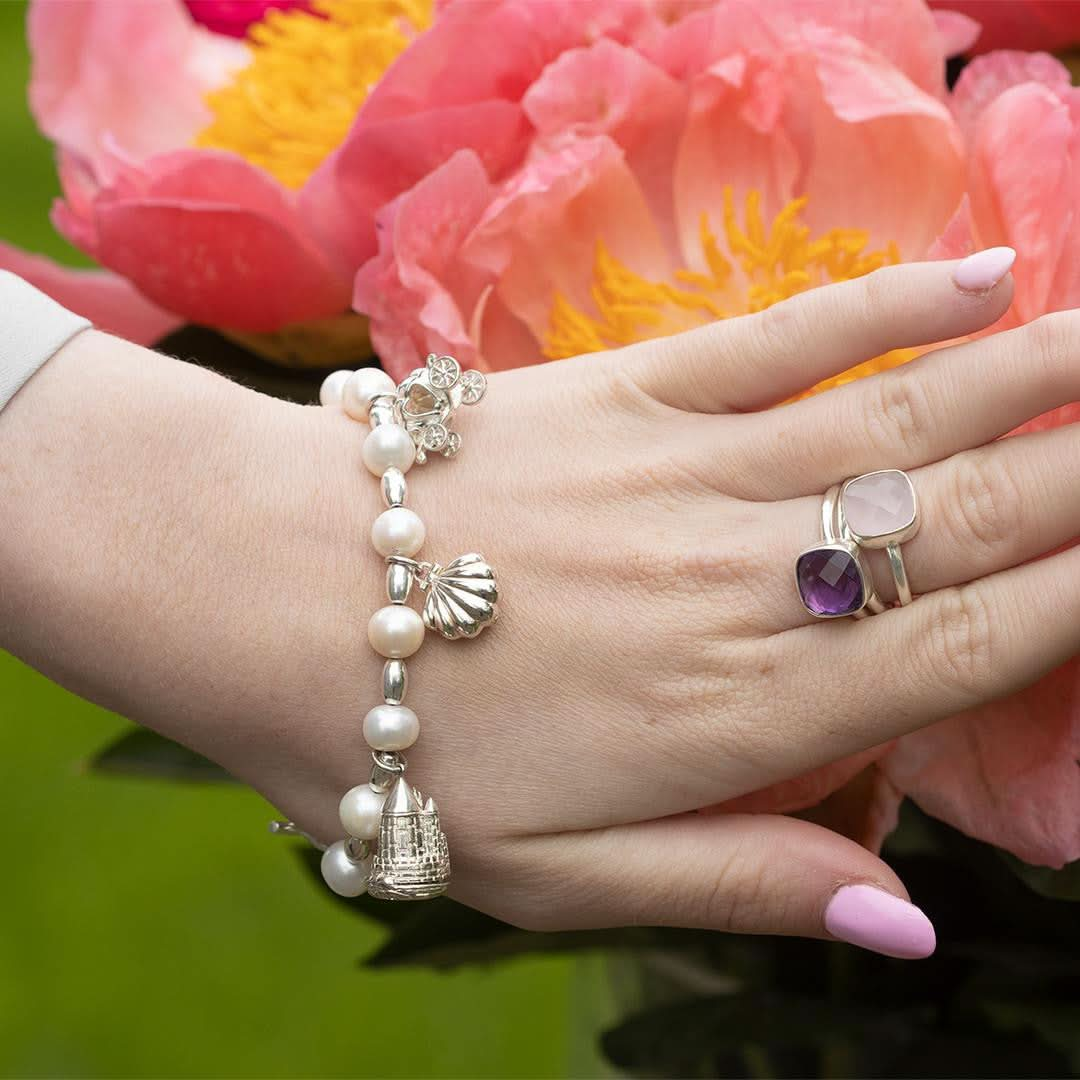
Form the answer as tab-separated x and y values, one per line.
776	261
310	72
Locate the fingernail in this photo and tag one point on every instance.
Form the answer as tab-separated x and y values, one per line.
876	920
984	269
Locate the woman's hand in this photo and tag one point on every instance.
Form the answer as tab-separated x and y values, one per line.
196	556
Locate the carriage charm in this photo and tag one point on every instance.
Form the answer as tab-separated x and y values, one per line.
427	400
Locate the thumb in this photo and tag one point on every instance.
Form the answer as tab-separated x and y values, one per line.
745	873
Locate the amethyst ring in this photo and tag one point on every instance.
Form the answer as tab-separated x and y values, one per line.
832	577
880	510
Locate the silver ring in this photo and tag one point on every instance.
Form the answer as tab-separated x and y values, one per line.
880	510
831	576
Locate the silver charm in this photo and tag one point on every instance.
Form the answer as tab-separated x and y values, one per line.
427	400
412	861
462	597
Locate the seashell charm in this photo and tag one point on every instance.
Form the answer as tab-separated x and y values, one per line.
462	597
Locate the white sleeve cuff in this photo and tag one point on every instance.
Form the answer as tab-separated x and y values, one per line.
32	328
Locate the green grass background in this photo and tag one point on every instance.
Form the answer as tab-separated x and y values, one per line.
155	929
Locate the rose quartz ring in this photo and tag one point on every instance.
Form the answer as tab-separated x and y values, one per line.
876	510
879	510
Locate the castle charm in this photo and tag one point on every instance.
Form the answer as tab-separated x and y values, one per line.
412	861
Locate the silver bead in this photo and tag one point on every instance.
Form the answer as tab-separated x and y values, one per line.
399	579
393	487
395	681
381	411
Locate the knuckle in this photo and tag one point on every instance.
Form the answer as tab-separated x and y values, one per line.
961	639
986	502
778	331
899	414
735	896
1055	340
878	292
743	896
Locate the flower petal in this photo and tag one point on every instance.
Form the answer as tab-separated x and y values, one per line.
890	136
505	43
988	77
416	291
902	31
1023	189
539	235
609	89
109	302
382	158
734	137
957	32
1006	773
209	236
136	70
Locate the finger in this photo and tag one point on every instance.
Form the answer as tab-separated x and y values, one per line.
944	402
947	652
980	511
757	360
744	873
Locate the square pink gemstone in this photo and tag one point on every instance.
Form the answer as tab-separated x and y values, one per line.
879	504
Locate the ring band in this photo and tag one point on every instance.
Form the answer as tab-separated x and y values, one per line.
880	510
831	577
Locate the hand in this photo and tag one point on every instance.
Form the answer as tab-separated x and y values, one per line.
652	656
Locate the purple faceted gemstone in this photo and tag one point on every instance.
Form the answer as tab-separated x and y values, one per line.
829	582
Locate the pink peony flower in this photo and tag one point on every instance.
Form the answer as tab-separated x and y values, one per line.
153	187
514	180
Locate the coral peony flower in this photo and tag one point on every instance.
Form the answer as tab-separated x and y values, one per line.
674	173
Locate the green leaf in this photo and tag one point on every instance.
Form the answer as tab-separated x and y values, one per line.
446	935
1057	1022
140	752
1063	884
705	1036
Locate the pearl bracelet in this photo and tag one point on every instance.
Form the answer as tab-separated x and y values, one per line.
394	847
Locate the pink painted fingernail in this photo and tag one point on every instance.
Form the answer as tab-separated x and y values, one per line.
867	916
984	269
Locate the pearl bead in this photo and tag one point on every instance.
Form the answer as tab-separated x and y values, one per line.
332	386
395	631
360	810
388	447
362	386
391	727
398	532
342	874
